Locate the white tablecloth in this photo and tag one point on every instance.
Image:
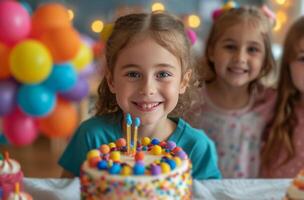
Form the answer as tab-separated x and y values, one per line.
226	189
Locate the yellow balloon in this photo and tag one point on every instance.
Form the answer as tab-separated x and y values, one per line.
83	57
106	32
30	62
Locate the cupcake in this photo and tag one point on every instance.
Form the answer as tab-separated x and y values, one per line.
10	173
17	195
296	189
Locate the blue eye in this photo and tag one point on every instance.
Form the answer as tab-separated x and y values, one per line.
252	49
163	75
133	74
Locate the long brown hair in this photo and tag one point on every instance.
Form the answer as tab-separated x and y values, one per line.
285	120
250	15
167	30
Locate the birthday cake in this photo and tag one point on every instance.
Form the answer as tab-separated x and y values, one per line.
296	189
10	174
156	170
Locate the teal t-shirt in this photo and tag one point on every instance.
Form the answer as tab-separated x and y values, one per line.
104	129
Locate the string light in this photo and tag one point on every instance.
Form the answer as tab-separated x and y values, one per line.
158	7
97	26
281	2
194	21
71	14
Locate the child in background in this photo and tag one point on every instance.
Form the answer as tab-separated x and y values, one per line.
234	106
148	68
283	151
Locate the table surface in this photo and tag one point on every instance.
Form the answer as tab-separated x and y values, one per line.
226	189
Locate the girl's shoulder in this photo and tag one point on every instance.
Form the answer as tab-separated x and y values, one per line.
101	122
264	94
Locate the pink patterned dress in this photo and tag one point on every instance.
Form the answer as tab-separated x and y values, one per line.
236	133
292	167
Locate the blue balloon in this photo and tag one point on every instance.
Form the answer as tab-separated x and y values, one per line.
36	100
63	78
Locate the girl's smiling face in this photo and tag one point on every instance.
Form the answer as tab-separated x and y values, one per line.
147	80
238	56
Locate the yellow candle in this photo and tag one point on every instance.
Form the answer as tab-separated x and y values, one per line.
129	123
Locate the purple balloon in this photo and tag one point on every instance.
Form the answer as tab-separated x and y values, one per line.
88	71
8	91
78	92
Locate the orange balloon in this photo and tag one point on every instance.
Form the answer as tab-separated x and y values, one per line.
62	122
63	43
4	61
49	16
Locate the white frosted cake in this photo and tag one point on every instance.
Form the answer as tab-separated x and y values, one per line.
158	170
296	189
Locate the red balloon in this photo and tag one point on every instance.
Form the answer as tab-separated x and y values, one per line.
19	128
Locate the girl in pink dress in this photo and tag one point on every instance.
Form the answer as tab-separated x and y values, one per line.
234	106
283	151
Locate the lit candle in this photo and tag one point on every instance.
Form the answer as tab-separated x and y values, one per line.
137	123
17	189
129	123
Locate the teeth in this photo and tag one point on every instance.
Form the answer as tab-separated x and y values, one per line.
148	105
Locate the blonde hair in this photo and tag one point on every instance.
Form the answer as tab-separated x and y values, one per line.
249	15
285	119
167	30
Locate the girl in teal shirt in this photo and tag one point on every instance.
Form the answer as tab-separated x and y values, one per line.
149	66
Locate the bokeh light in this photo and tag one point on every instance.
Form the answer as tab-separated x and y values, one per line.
158	7
97	26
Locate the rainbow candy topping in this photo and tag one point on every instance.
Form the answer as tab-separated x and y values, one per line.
157	170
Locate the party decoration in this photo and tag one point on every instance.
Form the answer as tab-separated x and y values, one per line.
19	129
8	90
44	67
106	32
78	92
36	100
61	122
49	16
30	62
15	22
63	43
83	57
4	61
62	78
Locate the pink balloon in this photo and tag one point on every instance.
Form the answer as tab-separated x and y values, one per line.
19	129
15	22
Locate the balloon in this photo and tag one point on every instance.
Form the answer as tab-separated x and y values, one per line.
83	58
19	129
61	122
30	62
27	6
62	78
4	61
87	40
106	32
88	71
191	35
49	16
78	92
63	43
36	100
8	90
15	22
